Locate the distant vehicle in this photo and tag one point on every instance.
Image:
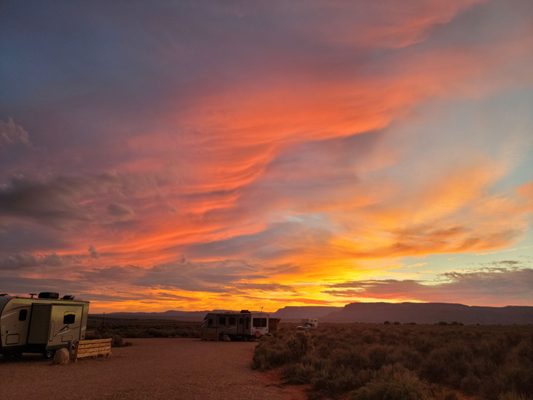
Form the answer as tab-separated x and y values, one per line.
309	323
234	325
41	325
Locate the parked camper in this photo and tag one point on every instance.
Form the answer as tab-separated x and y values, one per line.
40	325
309	323
235	325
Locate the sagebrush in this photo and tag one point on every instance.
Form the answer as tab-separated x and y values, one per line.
365	362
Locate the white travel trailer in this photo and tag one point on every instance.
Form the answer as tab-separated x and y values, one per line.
40	325
309	323
242	325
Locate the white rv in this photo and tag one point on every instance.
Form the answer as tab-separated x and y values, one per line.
309	323
40	325
242	325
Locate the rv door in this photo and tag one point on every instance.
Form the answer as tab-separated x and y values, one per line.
39	330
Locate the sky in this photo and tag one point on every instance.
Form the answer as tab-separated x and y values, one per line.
203	155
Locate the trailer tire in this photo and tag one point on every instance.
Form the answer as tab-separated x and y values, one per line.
49	354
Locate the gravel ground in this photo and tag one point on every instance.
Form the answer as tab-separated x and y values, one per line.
150	369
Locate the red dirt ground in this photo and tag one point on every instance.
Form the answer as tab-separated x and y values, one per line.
151	369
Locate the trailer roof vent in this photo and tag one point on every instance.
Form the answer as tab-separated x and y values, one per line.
49	295
245	312
67	297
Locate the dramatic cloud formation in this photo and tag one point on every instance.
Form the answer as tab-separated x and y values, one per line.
248	154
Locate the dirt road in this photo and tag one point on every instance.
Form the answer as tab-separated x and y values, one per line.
151	369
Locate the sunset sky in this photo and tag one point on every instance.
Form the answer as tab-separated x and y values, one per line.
244	154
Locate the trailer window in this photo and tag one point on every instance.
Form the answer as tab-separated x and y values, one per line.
259	322
69	319
241	321
231	321
22	315
222	320
210	322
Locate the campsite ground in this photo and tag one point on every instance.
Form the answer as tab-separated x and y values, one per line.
150	369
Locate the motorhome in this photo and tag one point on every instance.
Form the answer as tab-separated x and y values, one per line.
41	324
231	325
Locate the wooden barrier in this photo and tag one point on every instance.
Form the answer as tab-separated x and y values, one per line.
93	348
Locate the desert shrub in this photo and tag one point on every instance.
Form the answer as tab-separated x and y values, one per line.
442	360
334	381
140	328
117	341
392	383
513	396
272	353
297	374
470	384
378	355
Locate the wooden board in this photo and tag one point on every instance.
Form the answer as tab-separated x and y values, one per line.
93	348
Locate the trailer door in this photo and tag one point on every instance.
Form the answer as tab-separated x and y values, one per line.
241	325
39	329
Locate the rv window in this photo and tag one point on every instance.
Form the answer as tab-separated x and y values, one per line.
222	320
209	322
231	321
69	319
22	315
260	323
241	321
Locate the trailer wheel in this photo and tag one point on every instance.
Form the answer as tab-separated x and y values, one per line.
49	354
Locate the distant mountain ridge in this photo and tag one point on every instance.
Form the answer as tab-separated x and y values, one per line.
420	313
170	314
430	313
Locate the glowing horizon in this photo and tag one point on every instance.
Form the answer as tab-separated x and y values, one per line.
201	155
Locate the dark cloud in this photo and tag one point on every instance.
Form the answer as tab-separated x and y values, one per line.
119	210
92	252
132	295
22	285
53	202
70	201
493	286
199	276
266	287
20	237
27	260
213	276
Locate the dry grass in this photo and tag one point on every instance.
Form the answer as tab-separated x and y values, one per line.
367	362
